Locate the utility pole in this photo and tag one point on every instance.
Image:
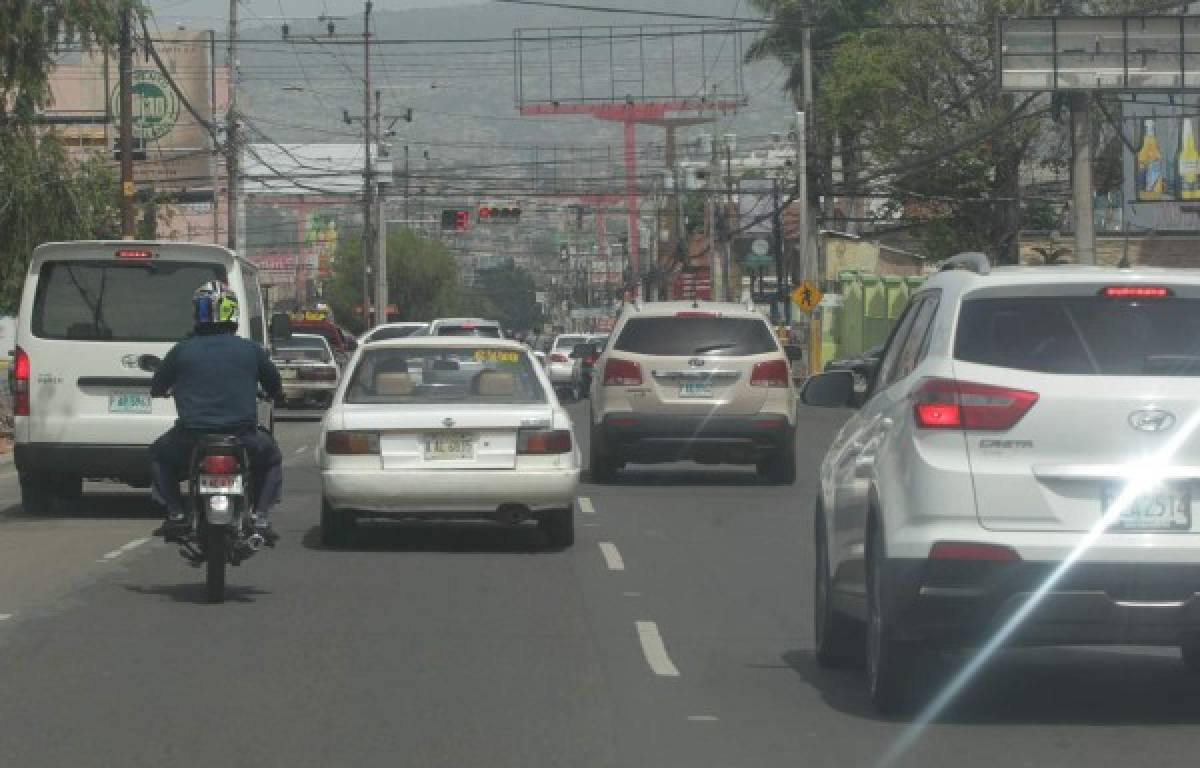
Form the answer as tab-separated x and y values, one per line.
368	171
126	126
781	291
730	203
1081	178
813	266
802	264
381	276
216	146
717	270
231	133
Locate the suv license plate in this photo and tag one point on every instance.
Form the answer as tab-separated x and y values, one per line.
696	389
1166	508
449	447
129	403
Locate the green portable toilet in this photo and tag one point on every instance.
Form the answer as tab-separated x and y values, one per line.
850	323
914	283
875	311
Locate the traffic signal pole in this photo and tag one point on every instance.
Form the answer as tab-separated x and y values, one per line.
126	125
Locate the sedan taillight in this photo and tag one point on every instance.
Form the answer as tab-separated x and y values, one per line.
341	443
535	442
559	357
953	404
622	373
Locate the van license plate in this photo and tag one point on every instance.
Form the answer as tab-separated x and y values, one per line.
696	389
1167	508
449	447
129	403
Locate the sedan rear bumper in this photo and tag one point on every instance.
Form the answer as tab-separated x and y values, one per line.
966	602
453	493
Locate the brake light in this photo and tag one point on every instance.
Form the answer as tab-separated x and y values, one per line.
1136	292
318	374
622	373
696	313
219	465
969	550
20	382
127	253
559	357
534	442
589	361
773	373
951	404
352	443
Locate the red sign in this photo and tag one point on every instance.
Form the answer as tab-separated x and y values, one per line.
693	285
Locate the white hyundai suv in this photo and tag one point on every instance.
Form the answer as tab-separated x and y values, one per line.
1022	471
700	381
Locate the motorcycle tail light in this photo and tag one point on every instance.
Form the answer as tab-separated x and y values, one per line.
219	465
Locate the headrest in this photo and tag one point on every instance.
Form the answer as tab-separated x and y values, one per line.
495	384
393	384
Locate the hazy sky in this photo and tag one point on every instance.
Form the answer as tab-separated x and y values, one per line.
209	13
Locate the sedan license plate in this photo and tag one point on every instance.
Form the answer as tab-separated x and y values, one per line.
129	403
1166	508
696	389
449	447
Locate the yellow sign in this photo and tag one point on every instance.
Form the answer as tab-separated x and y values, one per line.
496	356
807	296
128	189
310	315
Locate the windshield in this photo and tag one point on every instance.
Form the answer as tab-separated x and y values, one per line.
482	331
1082	335
295	350
118	301
719	336
568	342
397	332
439	375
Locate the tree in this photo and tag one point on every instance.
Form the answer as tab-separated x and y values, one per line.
512	292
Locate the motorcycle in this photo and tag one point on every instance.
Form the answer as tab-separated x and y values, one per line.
220	494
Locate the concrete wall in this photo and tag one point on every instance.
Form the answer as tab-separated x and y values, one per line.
1145	250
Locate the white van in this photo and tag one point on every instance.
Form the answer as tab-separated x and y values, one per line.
89	310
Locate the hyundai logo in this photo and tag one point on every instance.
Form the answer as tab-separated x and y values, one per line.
1152	420
447	422
696	362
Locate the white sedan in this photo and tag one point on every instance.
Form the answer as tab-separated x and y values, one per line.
448	428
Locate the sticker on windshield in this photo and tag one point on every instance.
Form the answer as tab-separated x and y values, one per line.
496	356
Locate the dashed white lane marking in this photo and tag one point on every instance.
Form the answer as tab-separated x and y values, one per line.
591	525
703	718
632	594
5	616
300	450
654	650
612	557
125	548
586	506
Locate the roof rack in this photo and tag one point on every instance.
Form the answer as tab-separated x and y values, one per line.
972	261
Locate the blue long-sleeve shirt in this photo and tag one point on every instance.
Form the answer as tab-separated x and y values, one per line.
215	379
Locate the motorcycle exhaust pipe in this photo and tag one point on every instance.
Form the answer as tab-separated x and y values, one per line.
256	541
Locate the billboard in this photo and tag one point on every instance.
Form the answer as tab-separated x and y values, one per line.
1161	164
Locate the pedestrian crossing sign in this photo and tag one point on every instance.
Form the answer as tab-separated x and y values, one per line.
807	296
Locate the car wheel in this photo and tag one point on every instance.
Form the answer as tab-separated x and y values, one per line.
336	527
603	466
559	527
1190	650
894	667
839	639
37	494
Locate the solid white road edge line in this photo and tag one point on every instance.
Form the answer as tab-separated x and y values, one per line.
612	557
654	650
586	506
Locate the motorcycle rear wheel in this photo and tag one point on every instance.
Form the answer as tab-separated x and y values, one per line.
215	555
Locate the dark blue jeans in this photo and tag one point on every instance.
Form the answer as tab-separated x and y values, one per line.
170	454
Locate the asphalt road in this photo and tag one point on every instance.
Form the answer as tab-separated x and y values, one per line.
676	632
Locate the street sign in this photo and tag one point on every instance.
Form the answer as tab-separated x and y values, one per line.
807	296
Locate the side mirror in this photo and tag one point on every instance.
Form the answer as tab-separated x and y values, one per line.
281	327
834	389
149	363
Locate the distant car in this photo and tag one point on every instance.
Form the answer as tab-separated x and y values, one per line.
863	366
393	331
560	365
703	381
340	342
308	369
465	326
448	428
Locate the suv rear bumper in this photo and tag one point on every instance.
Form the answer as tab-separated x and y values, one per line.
966	602
715	440
128	463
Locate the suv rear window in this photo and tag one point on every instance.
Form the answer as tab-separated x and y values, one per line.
720	336
1084	335
118	301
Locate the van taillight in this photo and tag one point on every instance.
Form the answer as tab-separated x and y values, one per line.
622	373
773	373
952	404
20	382
219	465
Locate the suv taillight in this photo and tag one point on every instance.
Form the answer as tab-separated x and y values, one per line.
773	373
20	382
622	373
219	465
952	404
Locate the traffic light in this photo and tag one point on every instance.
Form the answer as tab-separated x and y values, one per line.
455	219
488	213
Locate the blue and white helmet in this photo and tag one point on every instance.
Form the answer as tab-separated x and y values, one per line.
215	302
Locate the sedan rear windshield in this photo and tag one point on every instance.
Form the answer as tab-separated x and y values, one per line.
424	375
1083	335
307	350
482	331
720	336
118	301
396	332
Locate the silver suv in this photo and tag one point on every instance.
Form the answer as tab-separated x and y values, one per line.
698	381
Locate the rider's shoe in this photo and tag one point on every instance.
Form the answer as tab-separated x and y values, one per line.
175	527
263	528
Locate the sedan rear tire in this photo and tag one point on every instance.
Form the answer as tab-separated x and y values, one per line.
336	527
603	466
559	527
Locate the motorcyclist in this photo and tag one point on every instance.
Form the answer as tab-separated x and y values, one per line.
214	375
